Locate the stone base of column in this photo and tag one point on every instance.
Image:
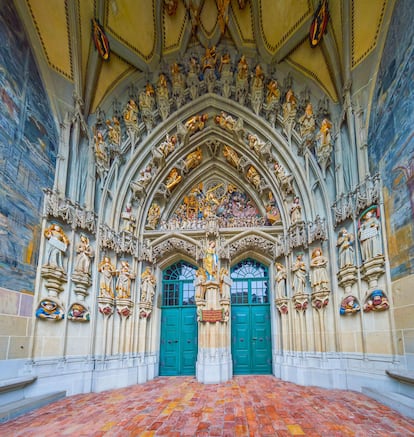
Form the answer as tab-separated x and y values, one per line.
214	365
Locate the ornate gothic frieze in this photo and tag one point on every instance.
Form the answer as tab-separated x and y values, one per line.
172	245
123	242
69	212
251	242
364	195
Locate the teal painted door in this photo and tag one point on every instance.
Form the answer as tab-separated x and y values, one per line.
250	319
178	352
179	329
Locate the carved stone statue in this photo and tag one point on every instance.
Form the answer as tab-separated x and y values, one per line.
173	179
280	280
148	284
307	126
130	114
193	81
107	271
163	98
296	211
199	283
84	255
370	236
129	219
324	144
225	283
299	275
153	216
320	279
272	103
226	75
193	160
289	113
210	261
257	89
101	153
285	179
178	85
57	243
242	80
114	132
209	68
345	243
123	283
147	106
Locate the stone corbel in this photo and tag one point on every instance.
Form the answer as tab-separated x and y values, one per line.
347	277
301	301
106	306
145	310
55	278
282	304
320	299
372	269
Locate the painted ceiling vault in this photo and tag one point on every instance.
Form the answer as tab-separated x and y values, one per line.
143	34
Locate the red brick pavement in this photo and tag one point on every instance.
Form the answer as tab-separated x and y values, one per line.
245	406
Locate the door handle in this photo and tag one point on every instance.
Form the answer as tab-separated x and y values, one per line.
254	338
175	341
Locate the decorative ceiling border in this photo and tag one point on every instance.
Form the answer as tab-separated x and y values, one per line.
237	24
355	62
177	44
39	34
313	75
125	42
273	48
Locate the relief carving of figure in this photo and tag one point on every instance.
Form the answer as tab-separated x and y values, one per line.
128	218
320	279
280	280
199	283
193	160
289	113
272	102
145	177
324	144
307	126
285	179
226	75
257	89
377	301
163	98
209	68
173	179
130	114
153	217
196	123
123	283
193	80
299	275
84	256
101	152
225	283
114	132
107	271
225	121
242	80
296	211
57	243
178	85
345	243
231	156
370	236
148	284
349	306
147	106
254	177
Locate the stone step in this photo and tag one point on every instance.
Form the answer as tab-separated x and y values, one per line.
23	406
15	383
402	403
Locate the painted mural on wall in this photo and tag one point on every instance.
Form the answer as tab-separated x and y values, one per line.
28	140
391	138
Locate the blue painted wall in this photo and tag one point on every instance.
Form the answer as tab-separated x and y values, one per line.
28	142
391	137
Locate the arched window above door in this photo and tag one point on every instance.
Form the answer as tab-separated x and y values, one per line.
178	284
250	283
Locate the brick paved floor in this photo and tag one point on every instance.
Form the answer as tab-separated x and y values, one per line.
245	406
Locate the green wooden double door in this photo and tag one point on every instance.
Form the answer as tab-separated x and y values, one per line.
250	320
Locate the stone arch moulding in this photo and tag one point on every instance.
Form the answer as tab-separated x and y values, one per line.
118	191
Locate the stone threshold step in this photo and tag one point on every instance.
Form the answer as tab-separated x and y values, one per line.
23	406
403	376
15	383
402	403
